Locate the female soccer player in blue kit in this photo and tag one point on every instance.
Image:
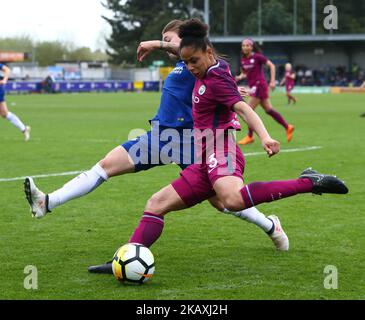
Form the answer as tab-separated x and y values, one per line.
4	112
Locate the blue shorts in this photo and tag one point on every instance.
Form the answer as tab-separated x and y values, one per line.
162	146
2	93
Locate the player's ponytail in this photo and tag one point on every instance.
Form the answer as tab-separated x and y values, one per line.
256	47
194	33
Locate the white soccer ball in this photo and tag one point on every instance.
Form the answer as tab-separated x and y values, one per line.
133	263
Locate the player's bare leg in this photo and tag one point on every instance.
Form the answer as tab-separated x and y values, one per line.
266	104
228	188
152	222
116	162
270	225
14	120
290	98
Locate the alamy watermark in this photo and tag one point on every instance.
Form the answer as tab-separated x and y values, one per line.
162	145
330	22
330	277
31	280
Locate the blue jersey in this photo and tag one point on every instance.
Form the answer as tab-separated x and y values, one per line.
175	109
2	87
1	71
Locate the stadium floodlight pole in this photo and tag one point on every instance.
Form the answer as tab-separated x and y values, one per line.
225	29
295	16
314	17
206	11
259	20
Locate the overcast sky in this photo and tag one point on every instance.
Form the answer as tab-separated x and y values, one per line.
77	21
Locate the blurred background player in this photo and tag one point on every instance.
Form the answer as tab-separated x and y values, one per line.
289	81
4	112
252	68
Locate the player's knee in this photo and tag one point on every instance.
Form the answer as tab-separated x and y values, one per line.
155	204
217	204
268	110
233	202
3	113
110	167
105	163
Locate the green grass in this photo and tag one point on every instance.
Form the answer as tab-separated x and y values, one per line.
202	254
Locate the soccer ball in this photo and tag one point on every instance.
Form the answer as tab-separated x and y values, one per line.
134	263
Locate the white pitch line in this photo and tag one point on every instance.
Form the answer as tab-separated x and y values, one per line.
71	173
285	151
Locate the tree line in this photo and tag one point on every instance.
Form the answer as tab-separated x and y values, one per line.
137	20
46	53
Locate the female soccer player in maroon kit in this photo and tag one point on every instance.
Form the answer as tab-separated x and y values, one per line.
289	80
252	68
215	104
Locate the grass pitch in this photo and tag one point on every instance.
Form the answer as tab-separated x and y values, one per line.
202	254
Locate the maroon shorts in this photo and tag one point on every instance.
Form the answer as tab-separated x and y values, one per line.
196	181
289	88
260	90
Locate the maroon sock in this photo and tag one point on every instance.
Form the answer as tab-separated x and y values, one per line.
259	192
149	229
278	118
250	132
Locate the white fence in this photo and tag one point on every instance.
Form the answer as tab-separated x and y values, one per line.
136	74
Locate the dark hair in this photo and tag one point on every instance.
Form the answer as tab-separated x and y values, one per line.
194	33
173	25
255	46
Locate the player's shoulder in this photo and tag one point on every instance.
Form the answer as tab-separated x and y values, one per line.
220	70
259	55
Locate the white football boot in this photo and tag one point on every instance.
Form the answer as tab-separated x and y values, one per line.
37	199
26	133
279	236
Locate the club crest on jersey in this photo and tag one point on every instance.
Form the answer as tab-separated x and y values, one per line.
252	60
202	89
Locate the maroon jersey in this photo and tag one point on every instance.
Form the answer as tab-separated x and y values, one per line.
253	66
213	98
289	82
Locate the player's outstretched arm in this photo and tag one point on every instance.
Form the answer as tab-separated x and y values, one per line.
272	68
146	47
241	76
243	91
270	145
6	74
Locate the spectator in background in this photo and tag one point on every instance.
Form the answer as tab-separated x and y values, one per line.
359	81
47	84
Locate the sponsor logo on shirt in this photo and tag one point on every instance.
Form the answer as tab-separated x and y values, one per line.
178	70
248	66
